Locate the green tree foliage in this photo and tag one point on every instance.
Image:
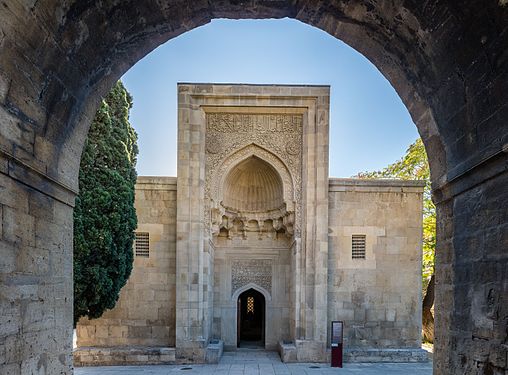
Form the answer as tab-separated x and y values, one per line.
415	166
104	216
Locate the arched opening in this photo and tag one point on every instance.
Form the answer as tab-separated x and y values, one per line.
251	312
443	58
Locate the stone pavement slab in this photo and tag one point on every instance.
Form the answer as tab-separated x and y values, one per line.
263	363
284	369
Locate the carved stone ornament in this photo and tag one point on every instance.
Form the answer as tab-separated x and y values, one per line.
253	123
231	138
213	145
292	148
231	161
256	271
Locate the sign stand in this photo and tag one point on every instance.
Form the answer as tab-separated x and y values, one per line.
336	344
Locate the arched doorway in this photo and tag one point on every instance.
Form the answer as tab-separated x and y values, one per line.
251	319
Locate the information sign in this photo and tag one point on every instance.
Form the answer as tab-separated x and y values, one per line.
337	334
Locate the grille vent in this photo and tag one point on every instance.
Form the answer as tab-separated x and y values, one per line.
142	244
358	246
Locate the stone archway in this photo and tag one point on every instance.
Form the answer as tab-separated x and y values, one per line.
262	299
447	61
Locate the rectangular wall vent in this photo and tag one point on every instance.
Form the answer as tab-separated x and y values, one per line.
142	244
358	246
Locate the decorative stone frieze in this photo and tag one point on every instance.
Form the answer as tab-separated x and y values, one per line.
251	271
253	123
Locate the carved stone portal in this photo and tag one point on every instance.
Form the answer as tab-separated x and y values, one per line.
253	175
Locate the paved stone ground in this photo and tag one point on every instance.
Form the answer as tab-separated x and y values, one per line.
261	363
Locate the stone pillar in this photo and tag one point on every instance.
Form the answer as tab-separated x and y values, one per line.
295	327
36	294
472	271
312	300
191	309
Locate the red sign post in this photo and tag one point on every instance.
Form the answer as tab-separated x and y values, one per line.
336	344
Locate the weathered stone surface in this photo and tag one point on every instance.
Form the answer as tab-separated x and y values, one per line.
447	60
287	351
472	273
127	356
385	355
379	297
266	227
36	274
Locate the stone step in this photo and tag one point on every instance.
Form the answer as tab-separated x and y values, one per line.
97	356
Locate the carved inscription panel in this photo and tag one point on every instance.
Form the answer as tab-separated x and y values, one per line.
253	123
278	133
257	271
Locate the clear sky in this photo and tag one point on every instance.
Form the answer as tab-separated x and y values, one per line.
369	125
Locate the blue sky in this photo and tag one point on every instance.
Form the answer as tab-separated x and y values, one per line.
369	125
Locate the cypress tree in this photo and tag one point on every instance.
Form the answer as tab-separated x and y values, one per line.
104	215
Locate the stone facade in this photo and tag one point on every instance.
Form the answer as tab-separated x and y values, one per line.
255	210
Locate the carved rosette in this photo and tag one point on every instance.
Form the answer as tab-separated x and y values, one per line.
213	144
293	148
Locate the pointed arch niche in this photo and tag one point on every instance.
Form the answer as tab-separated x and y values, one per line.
252	192
266	294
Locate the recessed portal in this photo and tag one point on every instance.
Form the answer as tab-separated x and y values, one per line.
251	319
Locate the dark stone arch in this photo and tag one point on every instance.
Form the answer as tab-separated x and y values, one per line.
447	61
101	41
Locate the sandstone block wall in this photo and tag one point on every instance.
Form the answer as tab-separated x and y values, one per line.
447	61
36	277
145	312
378	298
